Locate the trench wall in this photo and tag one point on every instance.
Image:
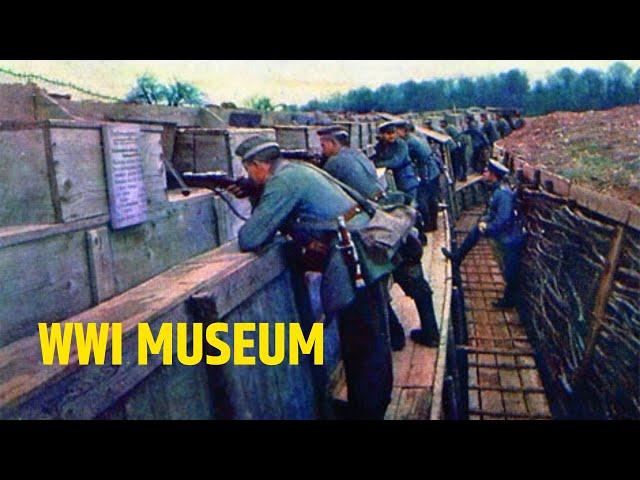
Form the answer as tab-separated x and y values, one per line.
581	302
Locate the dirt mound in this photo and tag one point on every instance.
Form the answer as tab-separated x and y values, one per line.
599	149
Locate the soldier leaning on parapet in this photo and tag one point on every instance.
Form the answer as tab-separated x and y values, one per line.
393	153
428	170
502	225
304	202
356	170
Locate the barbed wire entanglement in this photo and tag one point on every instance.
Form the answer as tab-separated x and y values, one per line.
33	77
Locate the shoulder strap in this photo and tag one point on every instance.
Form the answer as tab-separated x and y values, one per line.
366	205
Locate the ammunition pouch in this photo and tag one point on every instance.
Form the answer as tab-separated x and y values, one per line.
386	231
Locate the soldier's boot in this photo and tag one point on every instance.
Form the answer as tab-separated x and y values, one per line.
396	332
428	334
469	242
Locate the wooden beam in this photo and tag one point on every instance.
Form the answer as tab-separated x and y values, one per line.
602	296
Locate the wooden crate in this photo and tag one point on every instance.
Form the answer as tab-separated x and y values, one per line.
208	149
299	137
353	129
53	171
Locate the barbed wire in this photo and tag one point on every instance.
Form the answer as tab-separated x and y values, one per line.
60	83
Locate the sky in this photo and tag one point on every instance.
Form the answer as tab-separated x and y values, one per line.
284	81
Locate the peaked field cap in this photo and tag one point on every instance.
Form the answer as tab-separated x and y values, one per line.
387	127
333	130
497	168
341	135
255	145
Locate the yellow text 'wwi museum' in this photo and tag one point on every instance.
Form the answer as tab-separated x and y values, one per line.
101	343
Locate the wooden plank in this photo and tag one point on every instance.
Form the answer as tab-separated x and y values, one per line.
25	196
392	409
156	301
100	257
153	169
79	171
42	281
598	316
182	230
423	365
407	403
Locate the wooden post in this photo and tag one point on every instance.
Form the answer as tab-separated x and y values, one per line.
598	314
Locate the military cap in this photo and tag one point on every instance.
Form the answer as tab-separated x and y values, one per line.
252	146
387	127
333	131
497	168
342	136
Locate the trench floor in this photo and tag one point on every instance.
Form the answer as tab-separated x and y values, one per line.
504	383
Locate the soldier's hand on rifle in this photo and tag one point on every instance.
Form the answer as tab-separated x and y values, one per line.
237	191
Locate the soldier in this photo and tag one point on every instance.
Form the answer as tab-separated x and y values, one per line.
490	131
304	202
518	122
457	151
356	170
480	144
502	125
425	163
393	153
500	224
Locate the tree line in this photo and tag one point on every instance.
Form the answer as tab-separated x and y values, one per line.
564	89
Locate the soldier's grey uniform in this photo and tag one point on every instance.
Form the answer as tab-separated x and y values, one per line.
295	198
503	127
354	169
424	161
395	156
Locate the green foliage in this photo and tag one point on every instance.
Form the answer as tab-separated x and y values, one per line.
260	103
149	90
565	89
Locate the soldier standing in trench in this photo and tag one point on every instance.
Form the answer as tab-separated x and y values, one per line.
480	144
490	130
354	169
502	125
458	157
502	225
303	202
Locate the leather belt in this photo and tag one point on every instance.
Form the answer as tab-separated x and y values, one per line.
352	212
378	195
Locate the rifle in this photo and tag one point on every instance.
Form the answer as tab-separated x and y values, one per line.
218	180
302	154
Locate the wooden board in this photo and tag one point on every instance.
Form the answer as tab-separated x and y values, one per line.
25	195
30	390
184	229
43	281
79	172
100	258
